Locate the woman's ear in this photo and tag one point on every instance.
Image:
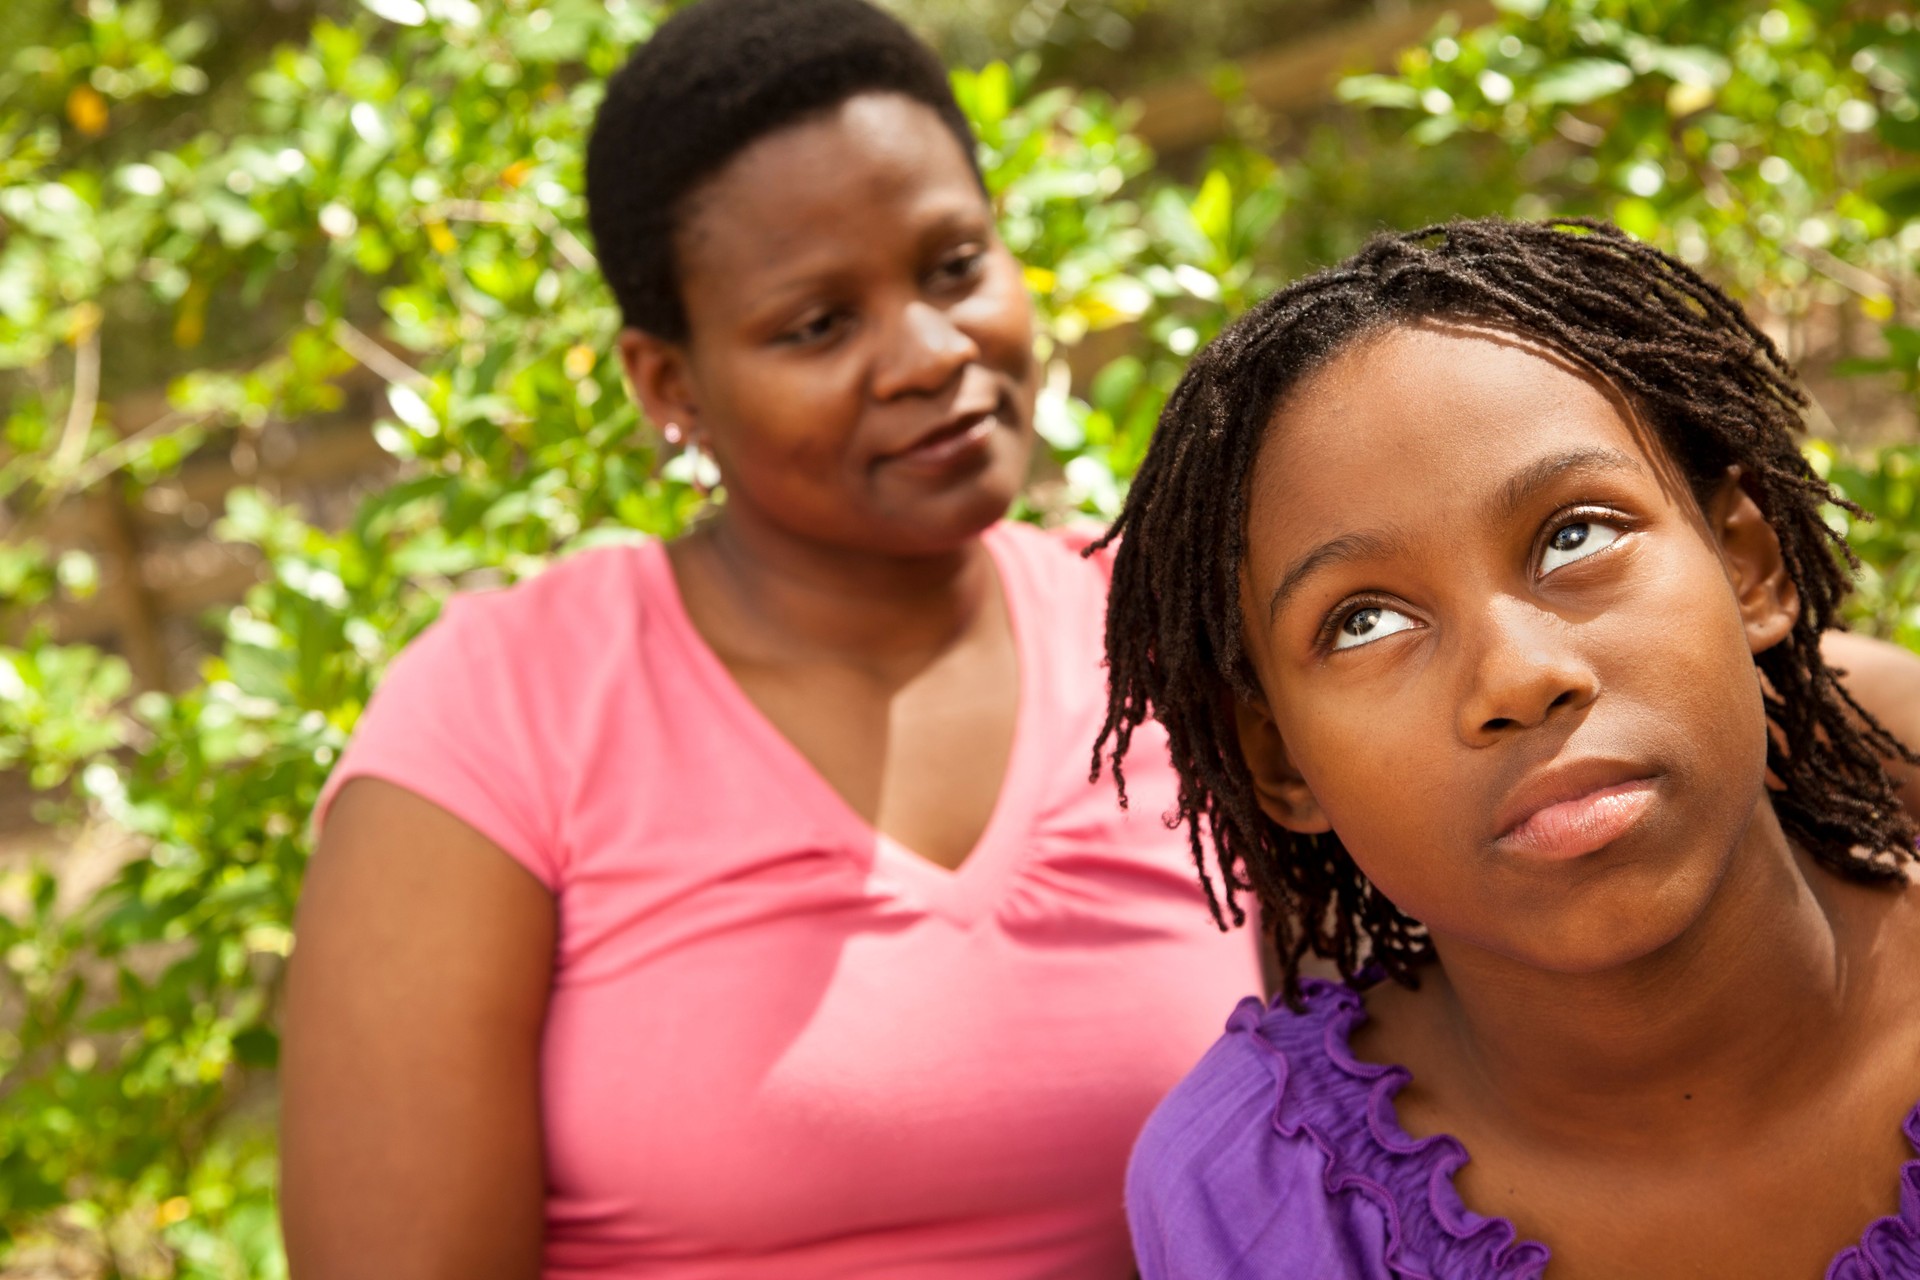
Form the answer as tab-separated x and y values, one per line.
657	371
1283	794
1750	551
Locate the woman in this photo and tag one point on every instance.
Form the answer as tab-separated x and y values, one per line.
741	906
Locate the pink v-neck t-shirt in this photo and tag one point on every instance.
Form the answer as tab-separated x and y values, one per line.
780	1044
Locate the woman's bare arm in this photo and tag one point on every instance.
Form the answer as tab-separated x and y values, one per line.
410	1126
1885	679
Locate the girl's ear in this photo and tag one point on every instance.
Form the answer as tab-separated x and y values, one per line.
1283	794
1750	551
657	371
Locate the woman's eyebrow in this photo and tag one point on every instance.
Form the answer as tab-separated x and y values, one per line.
1348	546
1538	474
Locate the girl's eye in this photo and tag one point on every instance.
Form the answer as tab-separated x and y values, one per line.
1576	541
1367	624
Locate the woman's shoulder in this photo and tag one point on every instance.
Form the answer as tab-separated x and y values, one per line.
482	712
575	600
1048	573
534	655
1061	550
1280	1151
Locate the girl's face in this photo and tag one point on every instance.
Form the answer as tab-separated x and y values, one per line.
1506	655
860	351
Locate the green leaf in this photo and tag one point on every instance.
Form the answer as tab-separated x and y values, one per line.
1213	208
257	1047
1378	91
408	13
993	93
1897	192
1579	81
1690	64
1114	386
1638	218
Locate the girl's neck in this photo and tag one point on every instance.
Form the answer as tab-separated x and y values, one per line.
1751	1005
774	597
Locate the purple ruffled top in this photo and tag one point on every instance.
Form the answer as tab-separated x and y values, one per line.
1280	1156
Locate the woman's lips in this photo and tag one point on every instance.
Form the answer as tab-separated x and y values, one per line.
941	447
1582	825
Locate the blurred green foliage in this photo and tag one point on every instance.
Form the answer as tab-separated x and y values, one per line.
394	197
1777	142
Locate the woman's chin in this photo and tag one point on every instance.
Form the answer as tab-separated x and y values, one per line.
946	517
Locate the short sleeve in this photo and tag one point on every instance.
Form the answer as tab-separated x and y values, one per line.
1220	1187
451	722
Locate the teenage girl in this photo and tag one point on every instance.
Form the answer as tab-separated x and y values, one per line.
1480	587
741	907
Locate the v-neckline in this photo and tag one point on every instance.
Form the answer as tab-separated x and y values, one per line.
970	887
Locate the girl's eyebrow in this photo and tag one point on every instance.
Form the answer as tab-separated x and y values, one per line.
1348	546
1511	497
1541	472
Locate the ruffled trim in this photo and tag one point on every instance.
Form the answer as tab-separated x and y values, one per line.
1345	1106
1890	1247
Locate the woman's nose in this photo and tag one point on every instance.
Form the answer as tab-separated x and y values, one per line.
1526	668
925	349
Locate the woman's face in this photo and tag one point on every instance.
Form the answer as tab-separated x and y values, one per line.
860	349
1505	654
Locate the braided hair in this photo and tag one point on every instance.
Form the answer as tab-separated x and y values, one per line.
1714	389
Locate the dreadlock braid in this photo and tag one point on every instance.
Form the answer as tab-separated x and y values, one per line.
1711	385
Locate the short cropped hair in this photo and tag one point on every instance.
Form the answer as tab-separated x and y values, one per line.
716	77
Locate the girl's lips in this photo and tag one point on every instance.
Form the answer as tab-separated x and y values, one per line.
1581	825
942	447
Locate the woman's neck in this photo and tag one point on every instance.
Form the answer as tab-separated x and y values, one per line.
1752	1004
778	598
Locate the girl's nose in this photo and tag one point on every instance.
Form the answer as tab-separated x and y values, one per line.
1525	670
926	348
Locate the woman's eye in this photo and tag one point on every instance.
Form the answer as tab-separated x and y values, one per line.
1365	625
1576	541
959	267
814	328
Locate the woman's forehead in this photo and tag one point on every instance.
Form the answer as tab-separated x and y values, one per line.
834	176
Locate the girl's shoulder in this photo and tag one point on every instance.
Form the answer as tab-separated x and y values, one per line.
1280	1152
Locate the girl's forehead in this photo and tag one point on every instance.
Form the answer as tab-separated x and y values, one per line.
1463	360
1429	416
